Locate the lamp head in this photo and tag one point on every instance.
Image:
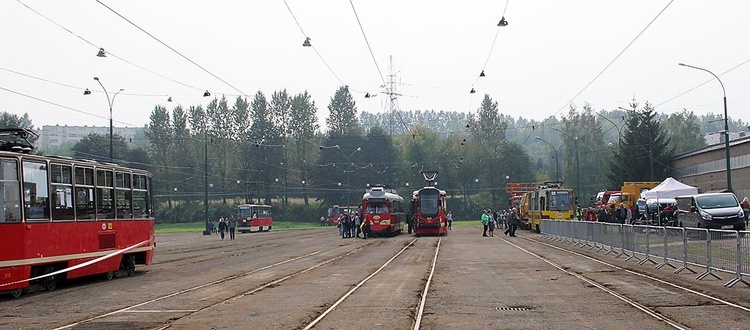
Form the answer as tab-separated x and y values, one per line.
96	78
206	94
87	92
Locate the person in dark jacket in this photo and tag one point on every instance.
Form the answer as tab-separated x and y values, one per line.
513	222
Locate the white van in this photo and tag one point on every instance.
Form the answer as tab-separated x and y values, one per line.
712	211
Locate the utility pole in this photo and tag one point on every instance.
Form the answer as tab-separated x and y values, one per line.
393	94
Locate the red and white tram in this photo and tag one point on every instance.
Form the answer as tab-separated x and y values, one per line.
429	212
254	217
65	218
384	210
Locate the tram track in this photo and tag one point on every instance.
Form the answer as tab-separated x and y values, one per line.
629	298
416	308
235	277
222	282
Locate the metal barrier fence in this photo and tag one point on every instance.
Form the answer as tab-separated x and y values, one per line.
683	249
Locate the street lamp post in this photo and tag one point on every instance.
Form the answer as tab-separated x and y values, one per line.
726	124
557	163
205	182
578	167
111	127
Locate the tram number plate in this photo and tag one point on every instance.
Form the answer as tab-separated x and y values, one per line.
727	227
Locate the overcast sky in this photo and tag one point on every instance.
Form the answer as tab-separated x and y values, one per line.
547	54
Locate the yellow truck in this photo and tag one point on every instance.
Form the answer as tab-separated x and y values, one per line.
629	194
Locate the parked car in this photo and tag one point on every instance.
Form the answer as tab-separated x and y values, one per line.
711	210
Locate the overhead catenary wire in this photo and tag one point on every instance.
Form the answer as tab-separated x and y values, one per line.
171	48
108	52
605	67
315	48
705	82
494	40
367	42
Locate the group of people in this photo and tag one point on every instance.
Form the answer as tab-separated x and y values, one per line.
224	225
611	214
504	219
351	225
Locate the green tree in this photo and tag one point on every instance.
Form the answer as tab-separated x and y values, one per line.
10	120
96	147
646	152
585	152
187	154
342	119
488	131
160	134
685	132
303	127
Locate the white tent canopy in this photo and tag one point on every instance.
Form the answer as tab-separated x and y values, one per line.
670	188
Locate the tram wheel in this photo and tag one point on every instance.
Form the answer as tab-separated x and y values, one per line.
50	282
109	276
17	293
129	266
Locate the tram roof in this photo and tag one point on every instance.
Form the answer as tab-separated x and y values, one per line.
253	205
380	193
78	162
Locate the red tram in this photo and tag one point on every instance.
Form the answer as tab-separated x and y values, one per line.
254	217
384	210
429	212
337	210
65	218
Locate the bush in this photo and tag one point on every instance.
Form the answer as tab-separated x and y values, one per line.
299	212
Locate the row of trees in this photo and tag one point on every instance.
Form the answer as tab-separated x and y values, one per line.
265	149
275	149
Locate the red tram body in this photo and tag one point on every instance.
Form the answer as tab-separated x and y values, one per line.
70	217
383	209
429	211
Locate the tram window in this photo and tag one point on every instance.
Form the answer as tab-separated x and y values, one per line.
61	174
124	204
11	197
84	176
84	200
62	202
377	208
123	180
104	178
140	205
429	201
139	182
105	203
35	191
559	201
